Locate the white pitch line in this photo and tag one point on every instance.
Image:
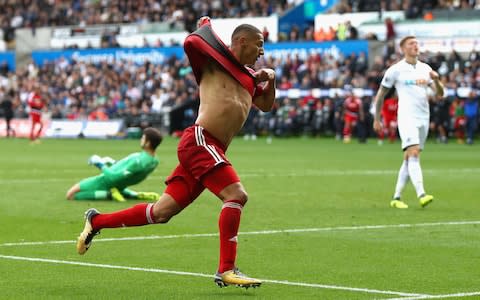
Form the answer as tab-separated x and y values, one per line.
306	173
284	282
371	172
133	238
458	295
299	230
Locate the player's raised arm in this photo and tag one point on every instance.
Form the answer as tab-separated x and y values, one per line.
439	89
264	101
377	124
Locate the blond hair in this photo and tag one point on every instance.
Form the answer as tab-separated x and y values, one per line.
405	39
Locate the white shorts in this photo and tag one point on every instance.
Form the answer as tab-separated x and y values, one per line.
413	132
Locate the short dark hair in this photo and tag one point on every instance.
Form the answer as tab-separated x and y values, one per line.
153	136
250	29
405	39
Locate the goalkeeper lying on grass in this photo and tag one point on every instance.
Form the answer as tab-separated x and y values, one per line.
112	183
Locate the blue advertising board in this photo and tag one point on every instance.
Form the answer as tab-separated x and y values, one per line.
137	55
160	55
9	58
303	49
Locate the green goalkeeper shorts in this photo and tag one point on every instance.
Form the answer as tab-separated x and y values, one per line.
95	183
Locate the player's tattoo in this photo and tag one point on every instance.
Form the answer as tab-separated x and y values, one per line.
379	101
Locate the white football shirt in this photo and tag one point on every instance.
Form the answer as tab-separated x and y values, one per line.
412	84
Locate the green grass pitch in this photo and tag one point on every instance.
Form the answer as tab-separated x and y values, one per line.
317	225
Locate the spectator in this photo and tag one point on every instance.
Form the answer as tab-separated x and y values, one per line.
56	113
341	31
4	69
7	108
294	34
320	35
440	119
331	34
98	114
266	34
459	122
352	31
471	115
412	9
390	29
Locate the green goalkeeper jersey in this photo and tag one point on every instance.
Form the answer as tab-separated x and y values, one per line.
130	170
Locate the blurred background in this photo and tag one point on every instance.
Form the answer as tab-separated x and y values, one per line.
108	68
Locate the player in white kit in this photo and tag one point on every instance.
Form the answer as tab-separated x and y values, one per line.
412	80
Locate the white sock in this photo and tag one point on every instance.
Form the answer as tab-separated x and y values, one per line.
402	179
415	172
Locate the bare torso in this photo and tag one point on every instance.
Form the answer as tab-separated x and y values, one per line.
224	104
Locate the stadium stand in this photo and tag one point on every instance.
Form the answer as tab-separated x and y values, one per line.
18	14
140	94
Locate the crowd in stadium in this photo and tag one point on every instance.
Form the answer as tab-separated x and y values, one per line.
179	13
413	9
183	14
139	94
30	13
142	94
104	91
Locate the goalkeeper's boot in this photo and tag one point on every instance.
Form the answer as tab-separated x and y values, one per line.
116	195
84	241
148	196
397	203
237	278
425	200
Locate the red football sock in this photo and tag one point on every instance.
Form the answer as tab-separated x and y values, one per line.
32	130
138	215
228	224
460	134
381	134
39	131
392	135
347	130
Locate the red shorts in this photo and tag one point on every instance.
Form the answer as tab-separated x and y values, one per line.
36	118
459	122
350	118
389	121
203	164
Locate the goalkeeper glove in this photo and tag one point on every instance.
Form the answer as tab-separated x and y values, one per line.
96	161
108	161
